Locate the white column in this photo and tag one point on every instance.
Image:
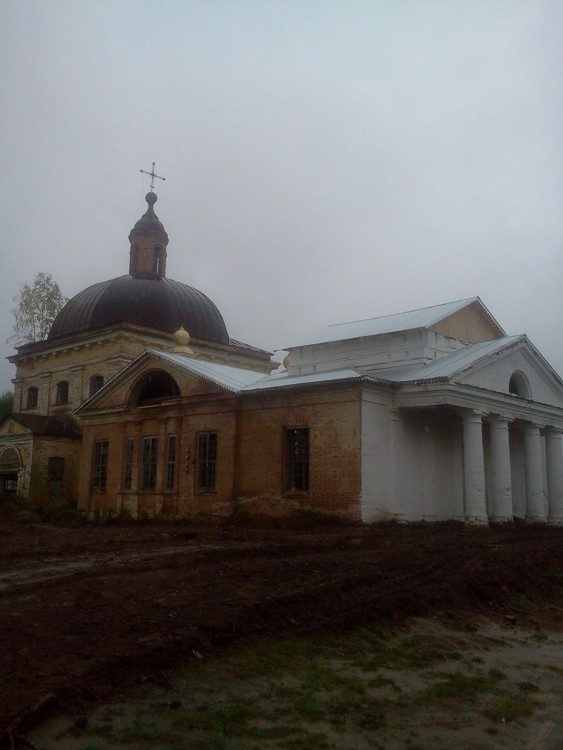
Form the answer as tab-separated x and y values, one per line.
396	468
554	461
534	474
501	476
474	469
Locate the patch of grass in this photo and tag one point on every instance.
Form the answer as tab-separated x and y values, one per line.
264	657
509	709
228	718
554	575
321	676
460	685
308	706
308	741
383	682
524	603
276	731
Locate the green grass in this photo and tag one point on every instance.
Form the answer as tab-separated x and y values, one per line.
510	709
326	694
461	685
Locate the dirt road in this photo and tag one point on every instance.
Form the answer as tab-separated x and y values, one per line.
87	610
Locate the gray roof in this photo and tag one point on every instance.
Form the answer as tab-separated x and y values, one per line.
404	321
240	381
447	366
61	425
232	378
442	368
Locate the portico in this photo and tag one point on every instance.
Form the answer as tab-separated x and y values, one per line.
490	466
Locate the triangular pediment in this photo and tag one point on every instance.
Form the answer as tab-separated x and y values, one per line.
191	377
517	369
11	426
55	425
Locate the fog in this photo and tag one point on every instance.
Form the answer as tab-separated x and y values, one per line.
324	161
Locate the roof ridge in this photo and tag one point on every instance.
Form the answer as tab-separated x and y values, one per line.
404	312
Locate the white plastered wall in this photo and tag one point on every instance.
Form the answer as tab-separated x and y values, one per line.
412	463
431	467
376	502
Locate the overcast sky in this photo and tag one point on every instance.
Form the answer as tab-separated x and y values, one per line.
325	161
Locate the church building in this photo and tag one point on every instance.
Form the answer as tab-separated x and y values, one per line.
96	334
140	402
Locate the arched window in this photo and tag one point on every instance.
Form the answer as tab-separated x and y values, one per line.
10	465
153	387
96	382
31	398
61	394
518	385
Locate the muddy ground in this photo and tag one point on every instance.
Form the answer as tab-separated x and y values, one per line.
87	611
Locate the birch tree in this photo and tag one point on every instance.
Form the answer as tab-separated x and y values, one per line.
37	306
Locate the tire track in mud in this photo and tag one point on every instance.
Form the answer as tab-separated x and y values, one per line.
83	633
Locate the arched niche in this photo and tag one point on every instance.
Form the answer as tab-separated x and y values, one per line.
519	385
10	465
153	387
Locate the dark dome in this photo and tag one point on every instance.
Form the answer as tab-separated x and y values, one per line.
163	304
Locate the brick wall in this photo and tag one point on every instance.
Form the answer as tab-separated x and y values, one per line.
251	460
332	416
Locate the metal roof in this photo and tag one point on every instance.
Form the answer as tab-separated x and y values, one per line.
285	380
445	367
442	368
404	321
60	425
237	380
232	378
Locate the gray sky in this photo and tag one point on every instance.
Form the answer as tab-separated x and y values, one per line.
325	161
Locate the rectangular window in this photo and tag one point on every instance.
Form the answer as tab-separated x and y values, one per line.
128	464
171	462
100	464
32	397
206	461
56	468
298	460
148	463
55	473
61	393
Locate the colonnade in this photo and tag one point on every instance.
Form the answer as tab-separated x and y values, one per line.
474	481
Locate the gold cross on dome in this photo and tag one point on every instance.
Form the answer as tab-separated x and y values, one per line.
152	176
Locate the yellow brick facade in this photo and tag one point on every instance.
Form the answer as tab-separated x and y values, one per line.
251	468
